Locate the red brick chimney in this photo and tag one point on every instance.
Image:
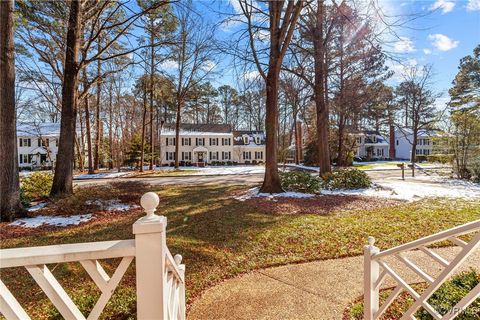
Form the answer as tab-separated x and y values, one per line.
391	152
298	142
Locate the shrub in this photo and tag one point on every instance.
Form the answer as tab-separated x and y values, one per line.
229	163
440	158
37	186
247	162
300	181
254	161
420	158
450	293
348	178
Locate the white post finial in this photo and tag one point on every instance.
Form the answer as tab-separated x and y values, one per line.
178	259
371	241
149	203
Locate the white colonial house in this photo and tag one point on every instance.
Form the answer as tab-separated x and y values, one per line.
37	145
404	140
201	144
371	145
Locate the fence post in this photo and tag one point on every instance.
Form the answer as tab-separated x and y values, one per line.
371	274
150	253
181	268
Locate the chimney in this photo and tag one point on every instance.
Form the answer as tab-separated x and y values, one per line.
391	153
298	142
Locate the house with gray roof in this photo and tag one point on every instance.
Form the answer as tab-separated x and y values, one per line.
201	144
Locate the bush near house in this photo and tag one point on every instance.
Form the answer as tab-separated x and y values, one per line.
440	158
299	181
346	178
36	186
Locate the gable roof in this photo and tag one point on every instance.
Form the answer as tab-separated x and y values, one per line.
200	127
37	130
238	137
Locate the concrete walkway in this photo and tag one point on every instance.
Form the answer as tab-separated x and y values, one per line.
315	290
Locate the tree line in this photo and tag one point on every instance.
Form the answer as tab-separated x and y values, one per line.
115	72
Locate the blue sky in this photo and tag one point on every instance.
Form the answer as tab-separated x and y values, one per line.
449	31
446	31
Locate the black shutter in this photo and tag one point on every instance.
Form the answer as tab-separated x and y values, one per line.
166	142
21	142
39	143
21	158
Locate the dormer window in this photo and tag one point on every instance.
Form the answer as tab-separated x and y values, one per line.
246	140
257	139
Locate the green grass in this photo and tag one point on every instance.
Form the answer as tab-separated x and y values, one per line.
220	237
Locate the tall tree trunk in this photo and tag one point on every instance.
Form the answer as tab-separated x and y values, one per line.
88	127
271	181
110	128
81	149
10	205
89	136
62	180
144	119
319	93
98	124
177	130
152	71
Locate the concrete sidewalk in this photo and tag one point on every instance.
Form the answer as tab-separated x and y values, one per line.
315	290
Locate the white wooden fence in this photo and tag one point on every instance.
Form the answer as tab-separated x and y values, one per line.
376	269
160	278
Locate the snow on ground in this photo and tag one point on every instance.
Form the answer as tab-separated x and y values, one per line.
416	188
112	205
102	175
253	193
38	206
57	221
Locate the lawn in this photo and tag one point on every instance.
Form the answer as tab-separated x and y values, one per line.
220	237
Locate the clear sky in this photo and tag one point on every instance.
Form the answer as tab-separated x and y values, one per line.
449	31
443	32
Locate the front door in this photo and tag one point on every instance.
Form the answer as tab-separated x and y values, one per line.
200	157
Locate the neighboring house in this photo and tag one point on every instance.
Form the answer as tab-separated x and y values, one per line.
425	142
371	145
37	145
200	144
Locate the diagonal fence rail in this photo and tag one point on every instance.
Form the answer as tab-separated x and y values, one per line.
377	269
160	277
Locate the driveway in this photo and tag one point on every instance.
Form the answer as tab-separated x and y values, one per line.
315	290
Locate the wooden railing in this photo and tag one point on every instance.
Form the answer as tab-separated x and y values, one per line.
376	269
160	278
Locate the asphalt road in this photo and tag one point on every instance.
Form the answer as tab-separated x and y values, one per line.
233	179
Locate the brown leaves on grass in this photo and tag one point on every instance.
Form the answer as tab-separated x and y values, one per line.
321	205
99	217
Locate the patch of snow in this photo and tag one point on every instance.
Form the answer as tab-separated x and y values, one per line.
102	175
57	221
112	205
38	206
416	188
253	193
300	166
